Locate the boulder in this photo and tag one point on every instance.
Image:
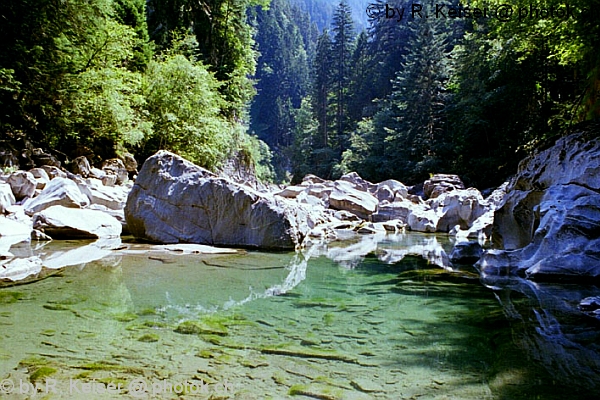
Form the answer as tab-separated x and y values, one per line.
397	188
466	253
458	207
115	166
441	183
81	166
23	184
549	225
41	176
64	222
7	198
130	163
53	171
345	197
60	191
9	227
397	210
291	191
20	268
310	179
40	158
356	181
175	201
421	219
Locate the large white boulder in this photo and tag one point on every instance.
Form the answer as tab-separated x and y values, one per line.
64	222
59	192
458	207
175	201
345	196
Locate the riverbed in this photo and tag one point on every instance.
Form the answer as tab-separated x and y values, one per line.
366	317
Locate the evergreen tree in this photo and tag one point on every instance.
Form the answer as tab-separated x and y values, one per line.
341	52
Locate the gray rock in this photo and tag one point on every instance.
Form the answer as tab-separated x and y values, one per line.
7	198
81	166
549	225
421	219
397	210
458	207
53	171
175	201
23	184
9	227
63	222
356	181
345	197
466	253
115	166
291	191
60	191
41	177
397	187
441	183
20	268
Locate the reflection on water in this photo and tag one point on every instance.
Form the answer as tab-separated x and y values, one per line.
366	317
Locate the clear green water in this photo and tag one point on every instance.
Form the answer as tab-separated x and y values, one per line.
212	325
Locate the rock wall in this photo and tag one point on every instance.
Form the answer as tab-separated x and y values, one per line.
549	224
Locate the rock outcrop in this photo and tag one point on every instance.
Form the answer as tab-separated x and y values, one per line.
175	201
549	224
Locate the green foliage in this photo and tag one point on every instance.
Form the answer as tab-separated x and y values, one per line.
260	156
184	106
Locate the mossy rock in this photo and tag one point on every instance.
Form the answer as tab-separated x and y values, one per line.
41	373
125	317
7	297
149	338
69	300
202	328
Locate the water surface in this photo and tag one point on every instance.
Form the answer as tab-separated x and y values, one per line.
362	318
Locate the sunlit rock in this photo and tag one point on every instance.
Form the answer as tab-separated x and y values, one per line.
23	184
7	198
345	196
441	183
175	201
549	225
10	227
59	192
20	268
458	207
63	222
41	176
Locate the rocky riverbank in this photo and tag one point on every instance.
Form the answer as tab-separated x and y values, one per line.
543	223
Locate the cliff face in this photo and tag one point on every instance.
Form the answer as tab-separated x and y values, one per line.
549	225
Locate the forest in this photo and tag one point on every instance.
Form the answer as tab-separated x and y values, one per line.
299	86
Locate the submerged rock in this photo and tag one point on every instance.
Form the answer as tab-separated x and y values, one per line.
175	201
549	225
